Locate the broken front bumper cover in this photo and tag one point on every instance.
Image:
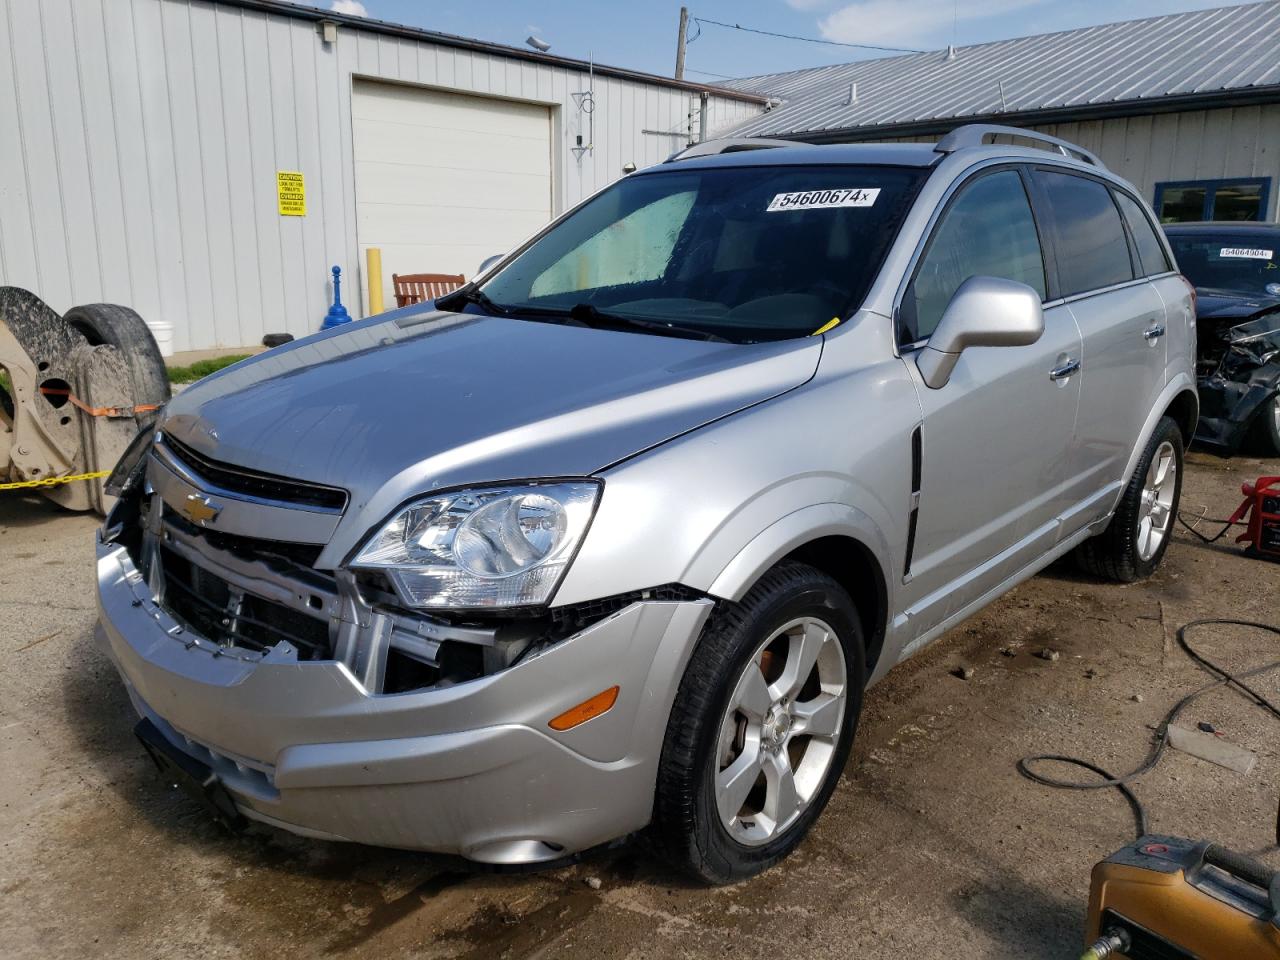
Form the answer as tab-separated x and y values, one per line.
471	769
1245	380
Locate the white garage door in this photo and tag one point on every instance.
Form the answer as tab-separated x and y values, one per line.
444	180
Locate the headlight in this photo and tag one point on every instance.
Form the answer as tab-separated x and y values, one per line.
487	547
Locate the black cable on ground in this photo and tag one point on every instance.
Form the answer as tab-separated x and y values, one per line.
1226	528
1121	783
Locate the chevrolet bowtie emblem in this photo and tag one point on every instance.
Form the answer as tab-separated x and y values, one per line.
200	509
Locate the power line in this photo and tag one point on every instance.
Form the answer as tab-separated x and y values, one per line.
790	36
708	73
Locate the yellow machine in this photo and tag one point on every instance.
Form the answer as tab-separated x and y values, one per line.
1165	898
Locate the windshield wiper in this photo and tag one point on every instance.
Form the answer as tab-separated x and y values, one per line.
470	293
589	315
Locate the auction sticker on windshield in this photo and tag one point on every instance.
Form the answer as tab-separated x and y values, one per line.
1245	253
819	199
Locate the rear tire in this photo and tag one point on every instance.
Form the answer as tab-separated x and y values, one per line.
1134	543
761	727
122	328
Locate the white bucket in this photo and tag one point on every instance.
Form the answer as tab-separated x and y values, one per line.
163	333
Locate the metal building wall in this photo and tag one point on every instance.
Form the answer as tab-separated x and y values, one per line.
1191	145
142	138
1194	145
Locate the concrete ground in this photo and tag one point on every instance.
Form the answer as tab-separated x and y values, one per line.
933	846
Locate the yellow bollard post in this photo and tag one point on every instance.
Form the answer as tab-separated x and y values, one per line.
373	276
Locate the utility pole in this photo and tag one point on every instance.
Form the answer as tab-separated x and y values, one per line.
684	26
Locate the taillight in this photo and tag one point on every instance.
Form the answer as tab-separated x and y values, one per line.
1191	288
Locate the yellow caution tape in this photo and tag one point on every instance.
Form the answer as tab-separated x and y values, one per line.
54	481
833	322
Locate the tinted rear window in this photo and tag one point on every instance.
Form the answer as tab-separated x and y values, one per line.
1092	251
1150	249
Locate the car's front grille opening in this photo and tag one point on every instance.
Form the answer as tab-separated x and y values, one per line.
211	607
251	548
253	483
405	672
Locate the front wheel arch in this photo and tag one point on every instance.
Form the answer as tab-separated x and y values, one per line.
850	563
836	539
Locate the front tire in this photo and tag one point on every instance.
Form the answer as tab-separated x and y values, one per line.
761	727
1134	543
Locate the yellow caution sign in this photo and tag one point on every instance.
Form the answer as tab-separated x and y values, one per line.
291	193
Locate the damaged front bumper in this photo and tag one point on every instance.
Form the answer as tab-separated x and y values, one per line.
470	769
1238	388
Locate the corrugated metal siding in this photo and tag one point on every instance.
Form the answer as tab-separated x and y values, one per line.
142	137
1193	145
1202	52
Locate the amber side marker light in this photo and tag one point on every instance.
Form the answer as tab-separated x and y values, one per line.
602	702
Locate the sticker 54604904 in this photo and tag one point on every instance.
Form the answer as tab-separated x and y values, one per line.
1245	253
817	199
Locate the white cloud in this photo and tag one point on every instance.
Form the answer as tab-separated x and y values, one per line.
352	8
807	4
919	23
533	28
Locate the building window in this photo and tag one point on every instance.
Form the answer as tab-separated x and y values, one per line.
1244	198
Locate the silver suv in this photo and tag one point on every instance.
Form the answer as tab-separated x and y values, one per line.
617	535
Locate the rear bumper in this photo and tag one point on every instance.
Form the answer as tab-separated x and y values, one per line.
471	769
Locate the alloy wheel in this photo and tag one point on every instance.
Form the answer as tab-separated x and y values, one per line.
1155	515
780	730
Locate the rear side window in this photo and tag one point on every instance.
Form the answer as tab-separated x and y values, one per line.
1091	248
988	231
1150	249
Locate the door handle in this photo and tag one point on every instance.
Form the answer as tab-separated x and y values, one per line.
1065	370
1154	333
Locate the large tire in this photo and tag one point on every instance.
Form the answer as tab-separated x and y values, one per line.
122	328
1129	549
709	737
1266	428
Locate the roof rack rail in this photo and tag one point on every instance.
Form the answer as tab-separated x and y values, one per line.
975	135
711	148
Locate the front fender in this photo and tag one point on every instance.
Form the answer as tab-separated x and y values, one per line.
791	532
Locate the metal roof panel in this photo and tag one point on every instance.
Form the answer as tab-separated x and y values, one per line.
1228	49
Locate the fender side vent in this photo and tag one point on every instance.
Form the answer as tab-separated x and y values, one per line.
917	466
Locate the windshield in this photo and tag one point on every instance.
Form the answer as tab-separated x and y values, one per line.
741	253
1230	261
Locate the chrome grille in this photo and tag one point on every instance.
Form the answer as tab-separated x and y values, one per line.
253	483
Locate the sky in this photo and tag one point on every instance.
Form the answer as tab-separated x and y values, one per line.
641	35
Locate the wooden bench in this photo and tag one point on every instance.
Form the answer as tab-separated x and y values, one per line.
418	287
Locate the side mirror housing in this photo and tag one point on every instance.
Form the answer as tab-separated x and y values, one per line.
489	262
983	312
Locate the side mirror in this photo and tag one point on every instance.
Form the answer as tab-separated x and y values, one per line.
489	262
984	312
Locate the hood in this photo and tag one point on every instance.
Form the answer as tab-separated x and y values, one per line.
417	401
1213	303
